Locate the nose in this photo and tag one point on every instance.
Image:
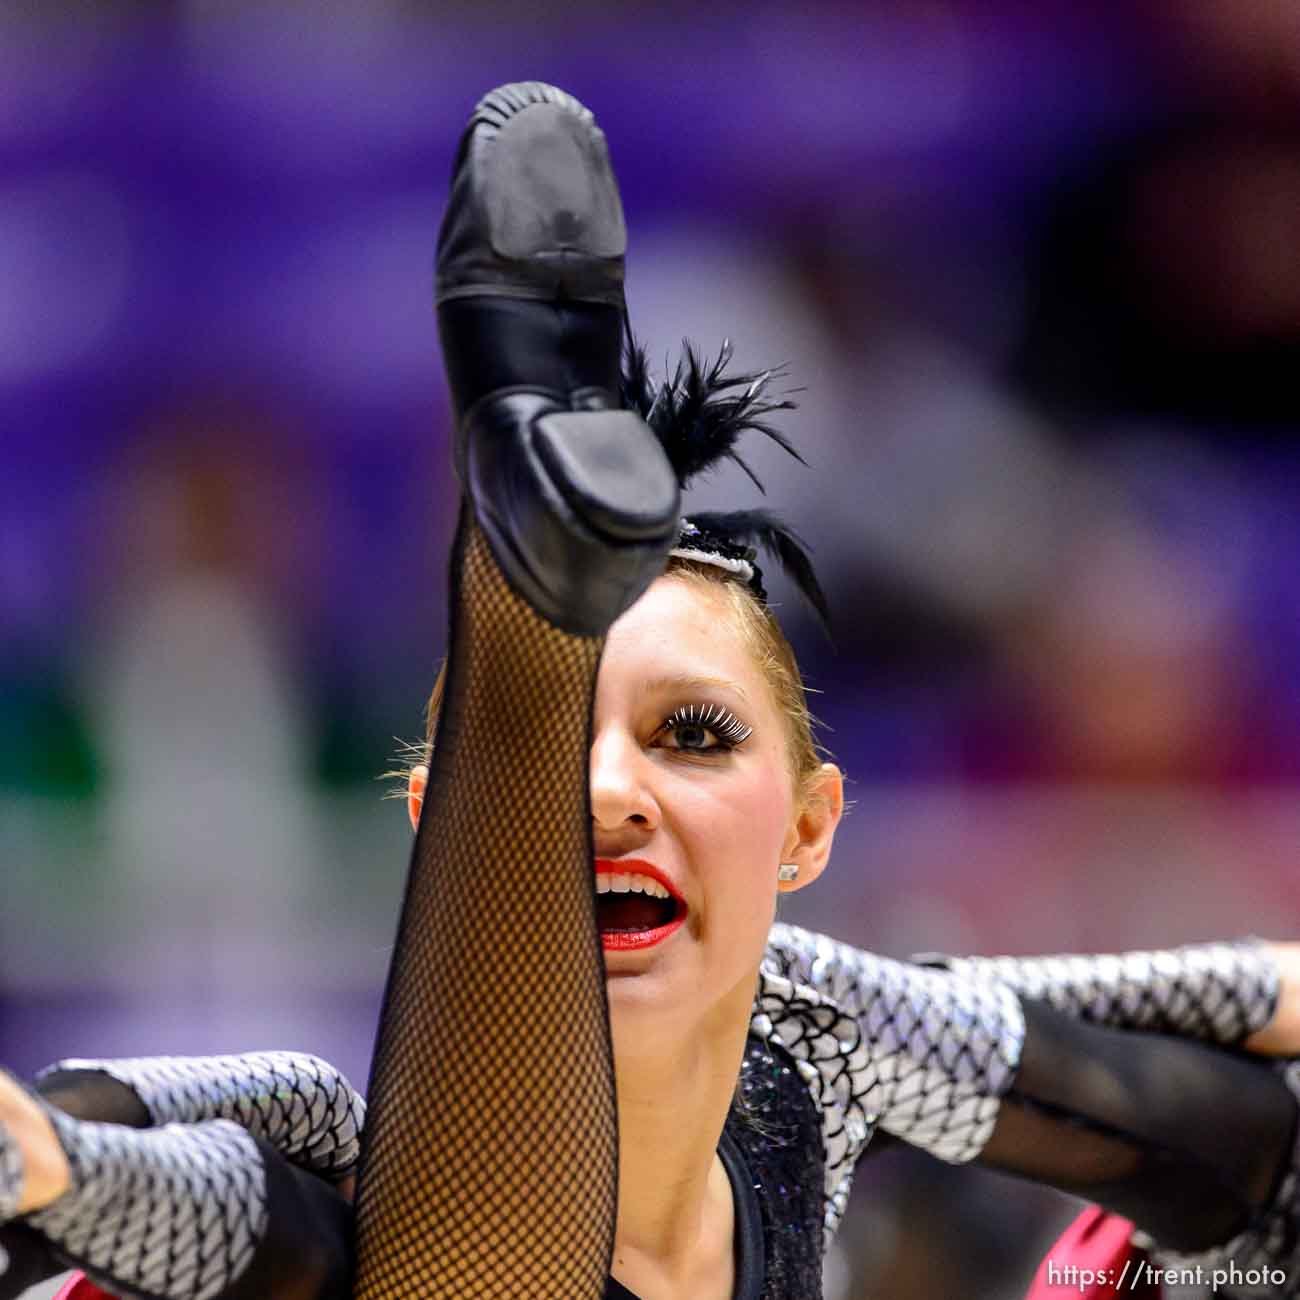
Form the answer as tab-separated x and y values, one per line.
620	795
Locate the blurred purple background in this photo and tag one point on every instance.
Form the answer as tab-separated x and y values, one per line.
1036	268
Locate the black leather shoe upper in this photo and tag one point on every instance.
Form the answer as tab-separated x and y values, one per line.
493	344
576	497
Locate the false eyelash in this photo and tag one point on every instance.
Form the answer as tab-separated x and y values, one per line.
724	725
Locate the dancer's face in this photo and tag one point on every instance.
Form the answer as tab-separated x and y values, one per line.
690	774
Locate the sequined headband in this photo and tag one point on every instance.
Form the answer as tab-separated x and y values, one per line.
704	547
698	414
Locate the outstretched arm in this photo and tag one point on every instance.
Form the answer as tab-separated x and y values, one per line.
1193	1143
1197	1146
1244	993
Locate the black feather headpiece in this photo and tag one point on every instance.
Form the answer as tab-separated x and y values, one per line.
698	415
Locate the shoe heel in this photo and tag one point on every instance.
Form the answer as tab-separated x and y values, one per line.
580	508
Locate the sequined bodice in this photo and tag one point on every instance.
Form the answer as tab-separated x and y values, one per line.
777	1128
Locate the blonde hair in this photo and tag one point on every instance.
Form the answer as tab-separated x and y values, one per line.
765	640
774	656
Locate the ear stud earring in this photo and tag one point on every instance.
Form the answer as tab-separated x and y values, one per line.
788	871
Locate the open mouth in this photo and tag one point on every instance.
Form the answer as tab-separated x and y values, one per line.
634	910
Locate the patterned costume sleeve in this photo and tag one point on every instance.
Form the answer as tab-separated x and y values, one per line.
301	1105
931	1055
1221	992
918	1052
223	1194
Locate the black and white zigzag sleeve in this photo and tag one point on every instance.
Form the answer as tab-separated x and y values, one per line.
175	1212
922	1054
300	1104
225	1195
1221	992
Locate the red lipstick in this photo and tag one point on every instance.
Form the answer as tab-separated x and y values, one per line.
635	940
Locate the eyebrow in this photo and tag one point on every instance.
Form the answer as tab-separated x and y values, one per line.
693	683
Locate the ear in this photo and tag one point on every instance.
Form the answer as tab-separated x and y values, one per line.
415	785
808	842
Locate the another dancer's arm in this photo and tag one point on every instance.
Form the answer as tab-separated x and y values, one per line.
185	1178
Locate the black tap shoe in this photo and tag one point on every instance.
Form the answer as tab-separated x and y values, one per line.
575	496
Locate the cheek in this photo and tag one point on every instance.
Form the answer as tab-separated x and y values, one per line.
736	828
758	819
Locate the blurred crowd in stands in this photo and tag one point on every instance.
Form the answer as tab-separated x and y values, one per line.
1034	274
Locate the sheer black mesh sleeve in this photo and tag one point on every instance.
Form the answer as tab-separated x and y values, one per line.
26	1260
489	1164
1263	1258
306	1252
1195	1145
1192	1142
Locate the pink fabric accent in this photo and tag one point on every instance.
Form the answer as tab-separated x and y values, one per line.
81	1289
1089	1260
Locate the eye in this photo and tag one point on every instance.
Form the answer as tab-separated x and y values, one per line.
704	729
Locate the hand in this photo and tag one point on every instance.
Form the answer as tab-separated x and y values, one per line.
46	1175
1281	1036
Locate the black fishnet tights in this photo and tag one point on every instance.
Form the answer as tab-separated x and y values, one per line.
491	1147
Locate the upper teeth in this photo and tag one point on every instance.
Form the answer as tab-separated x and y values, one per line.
610	883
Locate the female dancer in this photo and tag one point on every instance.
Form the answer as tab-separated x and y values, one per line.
490	1164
